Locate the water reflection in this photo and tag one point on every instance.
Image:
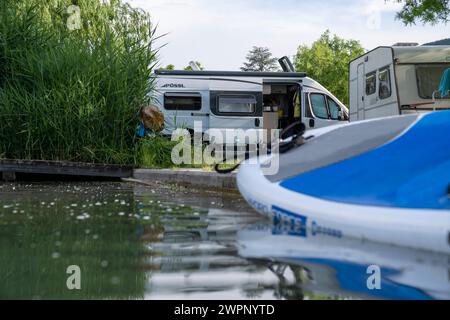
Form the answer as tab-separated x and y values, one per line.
44	229
165	242
195	256
129	241
325	266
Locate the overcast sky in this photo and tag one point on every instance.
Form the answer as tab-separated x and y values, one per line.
219	33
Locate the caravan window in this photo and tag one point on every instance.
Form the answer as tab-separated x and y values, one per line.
429	78
238	104
183	101
319	105
371	83
384	76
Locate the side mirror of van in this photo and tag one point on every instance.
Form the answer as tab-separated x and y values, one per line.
341	115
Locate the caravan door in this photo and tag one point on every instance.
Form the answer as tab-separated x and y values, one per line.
361	91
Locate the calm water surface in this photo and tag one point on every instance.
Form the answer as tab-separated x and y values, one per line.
166	242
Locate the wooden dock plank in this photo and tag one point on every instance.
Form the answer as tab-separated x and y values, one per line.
10	167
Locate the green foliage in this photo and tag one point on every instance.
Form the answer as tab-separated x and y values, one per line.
260	59
69	94
188	68
426	11
327	62
155	151
169	67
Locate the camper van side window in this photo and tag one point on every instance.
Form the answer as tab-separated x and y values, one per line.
183	101
384	77
237	104
371	83
334	109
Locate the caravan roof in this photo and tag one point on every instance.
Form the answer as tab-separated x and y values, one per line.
422	54
231	74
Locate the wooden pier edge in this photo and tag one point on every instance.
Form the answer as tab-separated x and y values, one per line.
9	169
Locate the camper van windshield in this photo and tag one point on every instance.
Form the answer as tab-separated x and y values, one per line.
428	78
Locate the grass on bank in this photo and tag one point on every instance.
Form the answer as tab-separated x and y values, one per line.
155	152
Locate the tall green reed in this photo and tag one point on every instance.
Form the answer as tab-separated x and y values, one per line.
73	95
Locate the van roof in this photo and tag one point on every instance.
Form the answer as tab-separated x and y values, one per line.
231	74
422	54
414	55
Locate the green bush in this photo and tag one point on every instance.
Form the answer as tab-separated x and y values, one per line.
155	152
73	95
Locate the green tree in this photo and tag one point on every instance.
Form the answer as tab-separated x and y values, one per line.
260	59
426	11
169	67
327	62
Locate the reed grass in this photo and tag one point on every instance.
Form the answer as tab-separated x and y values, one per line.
155	152
73	95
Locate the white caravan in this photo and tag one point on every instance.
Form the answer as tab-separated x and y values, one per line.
397	80
242	100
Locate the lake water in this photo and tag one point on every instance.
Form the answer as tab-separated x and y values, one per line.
164	242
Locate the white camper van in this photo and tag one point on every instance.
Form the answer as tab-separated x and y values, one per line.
397	80
243	100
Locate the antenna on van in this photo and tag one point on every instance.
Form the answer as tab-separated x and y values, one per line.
286	64
194	65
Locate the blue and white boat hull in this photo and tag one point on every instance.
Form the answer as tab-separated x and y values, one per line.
396	192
